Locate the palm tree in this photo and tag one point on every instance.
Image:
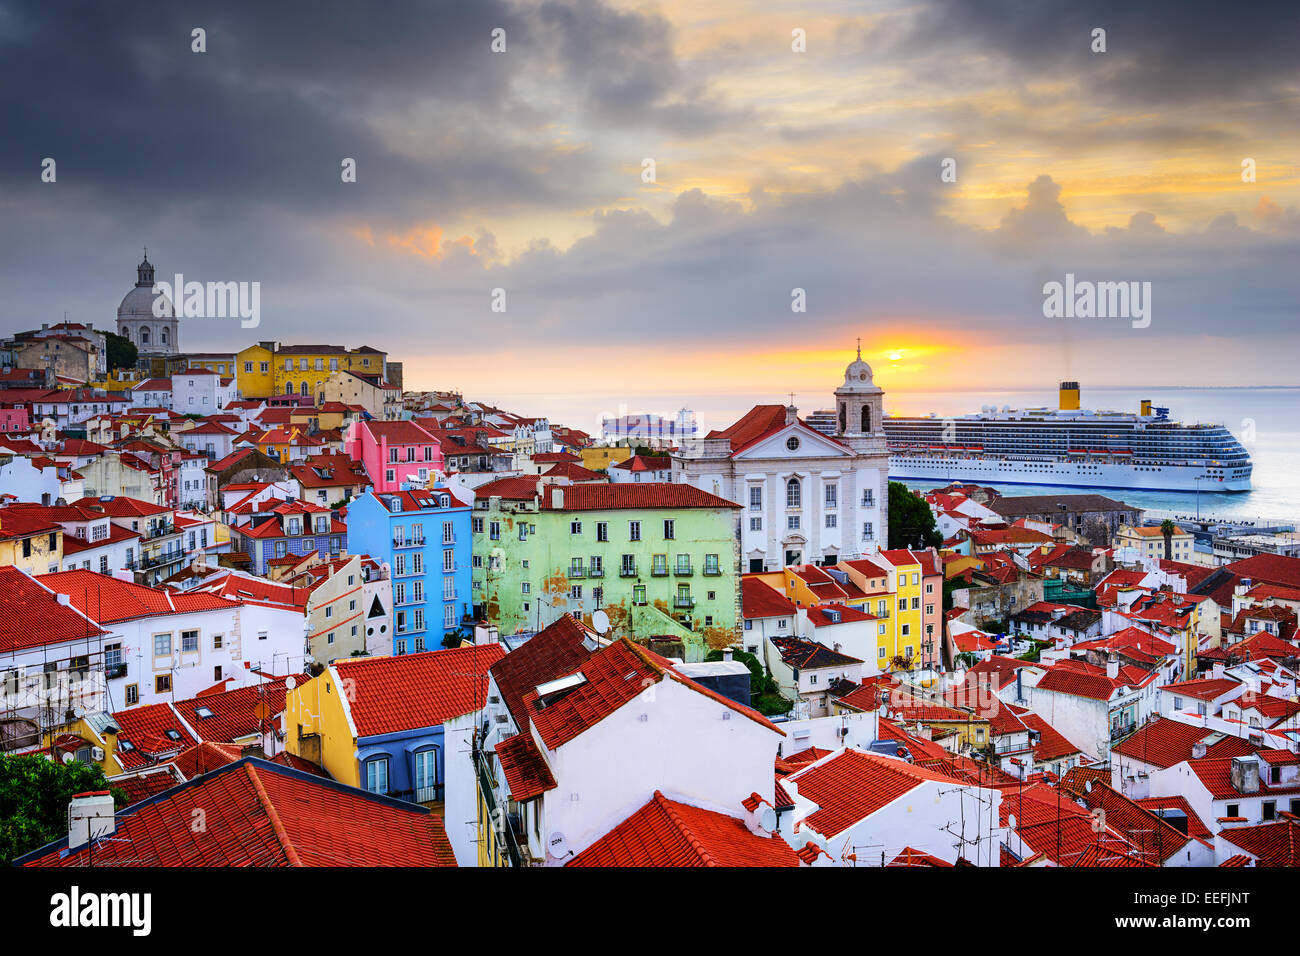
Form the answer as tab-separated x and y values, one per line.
1167	528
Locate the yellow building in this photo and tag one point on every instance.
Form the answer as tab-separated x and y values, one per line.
599	458
30	543
253	371
1150	542
300	369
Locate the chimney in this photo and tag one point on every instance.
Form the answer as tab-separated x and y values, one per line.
726	653
252	750
1245	774
1198	750
557	498
90	816
1112	665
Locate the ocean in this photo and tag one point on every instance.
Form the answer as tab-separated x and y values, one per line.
1265	420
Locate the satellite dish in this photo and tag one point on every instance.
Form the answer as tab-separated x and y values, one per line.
290	683
1011	821
1087	786
558	845
768	819
68	758
600	622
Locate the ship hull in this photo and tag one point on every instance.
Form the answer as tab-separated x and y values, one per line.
1118	476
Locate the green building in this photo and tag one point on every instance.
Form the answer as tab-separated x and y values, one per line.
660	559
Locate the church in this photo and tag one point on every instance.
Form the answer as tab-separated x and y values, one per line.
154	335
805	497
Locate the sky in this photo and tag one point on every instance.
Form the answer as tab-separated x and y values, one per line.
775	169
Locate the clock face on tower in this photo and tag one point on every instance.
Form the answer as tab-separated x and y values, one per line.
862	376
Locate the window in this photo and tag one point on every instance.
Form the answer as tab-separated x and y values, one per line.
264	367
868	499
755	498
494	531
683	564
448	536
448	560
867	531
832	496
916	603
830	521
597	569
638	595
399	593
1270	810
711	564
377	773
634	531
575	592
792	522
812	678
162	684
669	527
575	527
399	564
525	587
793	493
477	526
132	694
602	531
755	524
162	645
248	367
628	567
189	641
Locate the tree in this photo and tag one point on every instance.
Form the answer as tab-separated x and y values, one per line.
121	352
911	522
1167	528
34	797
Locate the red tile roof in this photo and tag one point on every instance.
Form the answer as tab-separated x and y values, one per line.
1272	844
669	833
852	785
22	601
759	599
154	733
110	601
526	771
754	424
261	814
1206	689
592	496
411	691
553	652
229	715
613	676
1165	742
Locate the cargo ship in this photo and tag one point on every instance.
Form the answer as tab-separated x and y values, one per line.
1068	445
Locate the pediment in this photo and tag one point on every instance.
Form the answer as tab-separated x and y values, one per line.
810	444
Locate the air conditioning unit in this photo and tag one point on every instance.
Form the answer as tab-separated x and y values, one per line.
96	753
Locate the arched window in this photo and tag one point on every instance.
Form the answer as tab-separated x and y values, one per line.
866	418
126	333
303	389
163	332
793	493
144	335
288	388
843	417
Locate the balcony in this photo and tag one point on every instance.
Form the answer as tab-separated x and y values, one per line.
1122	730
596	573
684	571
115	671
577	572
712	572
683	602
433	794
659	571
627	571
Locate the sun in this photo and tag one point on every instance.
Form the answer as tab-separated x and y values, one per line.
895	356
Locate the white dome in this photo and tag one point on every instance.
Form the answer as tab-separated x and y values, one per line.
857	376
138	304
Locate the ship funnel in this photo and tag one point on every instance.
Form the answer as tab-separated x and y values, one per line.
1069	396
1146	407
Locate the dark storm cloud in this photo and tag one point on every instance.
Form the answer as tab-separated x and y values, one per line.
1163	51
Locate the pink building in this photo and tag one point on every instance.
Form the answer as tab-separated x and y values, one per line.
393	452
13	420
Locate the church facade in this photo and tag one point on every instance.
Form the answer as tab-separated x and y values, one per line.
153	335
805	497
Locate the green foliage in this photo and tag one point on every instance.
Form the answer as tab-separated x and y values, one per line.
645	451
34	797
764	695
121	352
911	522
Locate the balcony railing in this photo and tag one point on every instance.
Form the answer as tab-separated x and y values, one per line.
712	571
596	573
114	671
627	572
577	572
659	571
1123	730
684	571
680	601
431	794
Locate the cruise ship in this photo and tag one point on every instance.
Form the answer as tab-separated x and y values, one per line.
1069	446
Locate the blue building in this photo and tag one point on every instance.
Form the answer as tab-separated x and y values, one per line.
424	538
291	527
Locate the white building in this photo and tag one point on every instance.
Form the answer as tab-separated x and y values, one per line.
200	391
151	393
168	646
807	497
152	334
